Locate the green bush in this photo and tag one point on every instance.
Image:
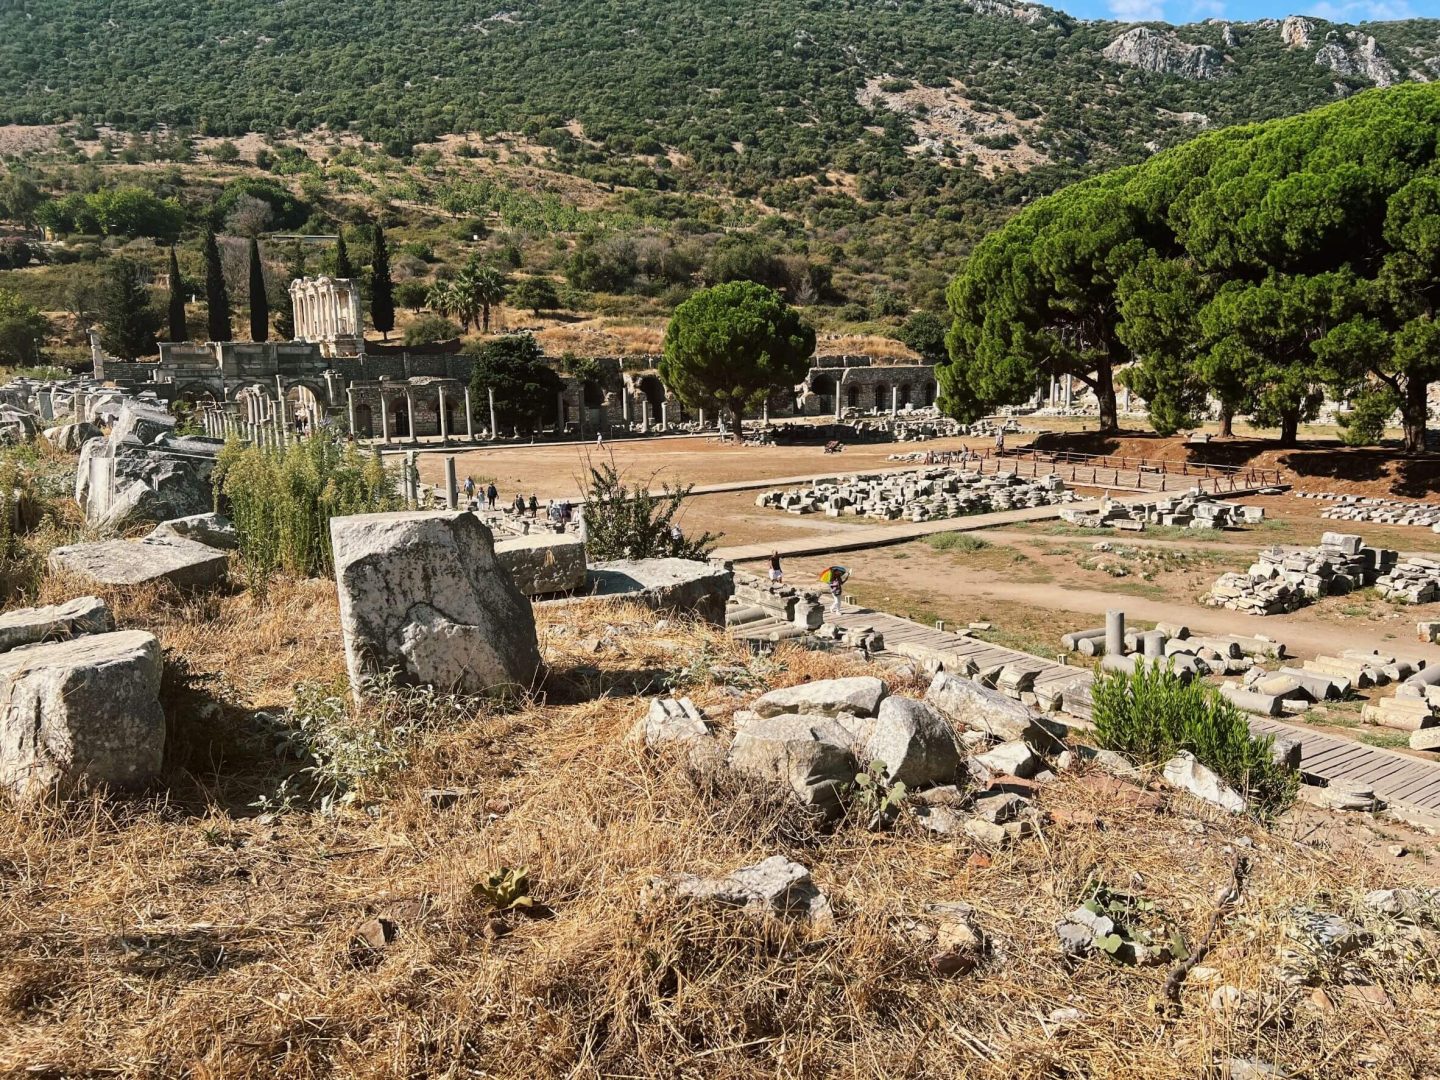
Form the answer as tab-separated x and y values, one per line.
625	522
956	541
1153	713
282	500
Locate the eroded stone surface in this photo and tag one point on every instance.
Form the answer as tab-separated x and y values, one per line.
56	622
544	563
422	594
183	563
860	695
915	743
81	710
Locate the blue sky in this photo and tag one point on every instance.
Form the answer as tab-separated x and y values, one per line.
1179	11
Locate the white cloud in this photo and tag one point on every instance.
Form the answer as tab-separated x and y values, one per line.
1137	10
1206	9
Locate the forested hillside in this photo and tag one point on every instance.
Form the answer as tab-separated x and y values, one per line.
849	154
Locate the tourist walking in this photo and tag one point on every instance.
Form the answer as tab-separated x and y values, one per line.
999	442
534	506
519	505
469	489
777	575
492	495
837	586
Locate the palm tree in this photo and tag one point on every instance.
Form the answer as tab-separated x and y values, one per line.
445	298
487	285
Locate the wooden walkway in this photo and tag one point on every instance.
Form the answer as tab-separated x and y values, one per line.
1396	778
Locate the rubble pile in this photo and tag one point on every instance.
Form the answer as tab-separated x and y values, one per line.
1193	510
1414	580
1379	511
1280	581
923	495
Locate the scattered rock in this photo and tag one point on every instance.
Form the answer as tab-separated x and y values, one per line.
673	585
1340	795
775	886
1186	773
970	705
84	710
997	836
860	695
670	720
212	530
1012	758
71	437
57	622
810	753
376	933
915	743
544	563
423	594
1000	807
183	563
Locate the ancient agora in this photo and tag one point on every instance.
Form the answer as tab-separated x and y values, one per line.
754	542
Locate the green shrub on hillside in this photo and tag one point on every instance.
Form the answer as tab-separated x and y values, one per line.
282	500
1152	714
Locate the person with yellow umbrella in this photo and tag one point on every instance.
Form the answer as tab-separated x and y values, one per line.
835	577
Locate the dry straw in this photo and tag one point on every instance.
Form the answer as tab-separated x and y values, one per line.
182	935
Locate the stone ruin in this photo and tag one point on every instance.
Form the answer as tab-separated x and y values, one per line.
1193	510
923	495
1377	511
1413	580
1281	581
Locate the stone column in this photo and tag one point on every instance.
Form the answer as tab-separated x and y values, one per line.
1126	406
1069	390
384	419
469	416
560	412
452	487
412	477
494	429
444	423
702	419
645	416
624	402
664	416
838	399
410	412
350	409
894	401
765	412
1114	632
1152	643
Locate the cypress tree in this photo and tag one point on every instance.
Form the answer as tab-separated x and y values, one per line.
259	302
178	331
128	320
217	298
382	290
343	268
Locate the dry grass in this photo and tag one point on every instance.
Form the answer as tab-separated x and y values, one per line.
179	935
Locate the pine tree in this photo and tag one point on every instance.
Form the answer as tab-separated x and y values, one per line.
178	331
382	290
259	302
128	320
217	298
343	268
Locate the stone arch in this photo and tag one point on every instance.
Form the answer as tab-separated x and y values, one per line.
929	393
304	406
654	391
397	412
592	394
196	393
823	387
903	394
255	402
852	396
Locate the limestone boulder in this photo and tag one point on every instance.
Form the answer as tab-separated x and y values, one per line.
1008	759
212	530
681	586
670	720
150	486
140	422
860	695
16	426
544	563
915	743
970	705
1185	773
775	886
86	710
183	563
55	622
71	437
422	594
809	753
